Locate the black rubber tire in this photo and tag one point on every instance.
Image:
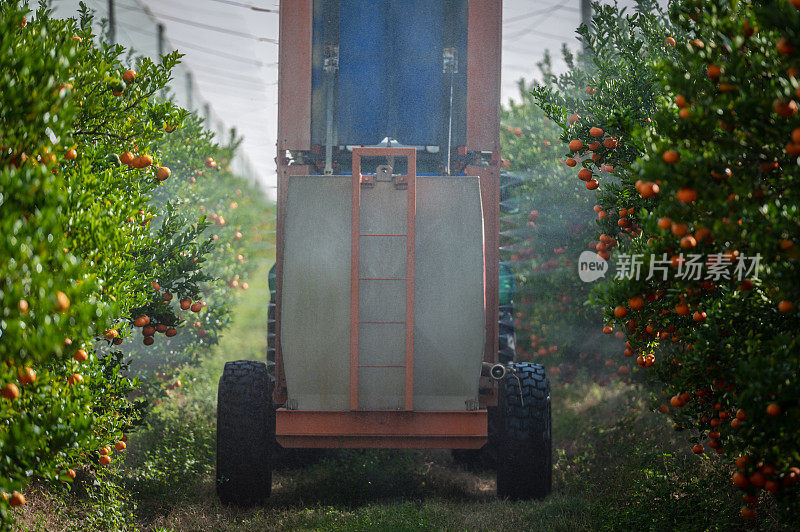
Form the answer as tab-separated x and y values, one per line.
245	434
525	463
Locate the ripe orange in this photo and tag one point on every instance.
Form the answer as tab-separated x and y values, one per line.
196	306
104	460
713	72
774	410
163	173
23	306
669	41
697	449
111	334
26	375
104	451
186	303
670	157
161	328
62	301
636	303
80	355
610	143
585	174
592	184
784	108
699	316
576	145
785	47
155	286
129	76
141	321
664	223
573	118
684	113
148	340
620	311
74	379
596	132
686	195
126	158
748	512
688	241
739	480
120	445
649	190
785	306
572	162
682	309
71	154
149	330
71	473
10	391
17	499
171	331
679	229
680	100
757	479
608	329
742	462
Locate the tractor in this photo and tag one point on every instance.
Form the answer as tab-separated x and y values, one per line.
391	319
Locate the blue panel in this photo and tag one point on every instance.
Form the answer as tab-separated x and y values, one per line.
416	76
362	97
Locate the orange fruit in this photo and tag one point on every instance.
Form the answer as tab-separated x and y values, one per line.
155	286
785	306
171	331
196	306
664	223
74	379
23	306
129	76
596	132
697	449
80	355
111	334
680	100
585	174
141	321
686	195
636	303
713	72
739	480
684	113
576	145
10	391
62	301
682	309
104	460
17	499
592	184
163	173
670	157
688	241
669	41
608	329
620	311
572	162
679	229
748	512
573	118
610	143
26	375
120	445
126	158
785	47
148	340
774	410
186	303
71	154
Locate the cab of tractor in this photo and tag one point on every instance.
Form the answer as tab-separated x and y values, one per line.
391	318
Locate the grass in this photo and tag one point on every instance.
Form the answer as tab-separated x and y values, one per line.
617	466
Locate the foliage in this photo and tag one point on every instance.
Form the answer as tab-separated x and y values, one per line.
102	186
701	109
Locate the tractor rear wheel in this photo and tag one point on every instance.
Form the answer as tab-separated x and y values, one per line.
245	434
524	468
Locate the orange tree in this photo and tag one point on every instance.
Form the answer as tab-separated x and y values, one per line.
707	204
94	247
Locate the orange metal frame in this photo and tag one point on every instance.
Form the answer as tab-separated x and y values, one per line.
404	428
355	236
381	429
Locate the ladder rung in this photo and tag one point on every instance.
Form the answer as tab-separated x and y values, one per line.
384	322
383	234
381	365
382	278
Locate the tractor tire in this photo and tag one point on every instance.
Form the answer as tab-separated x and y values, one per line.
245	434
525	462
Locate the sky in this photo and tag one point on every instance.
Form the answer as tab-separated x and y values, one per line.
230	47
